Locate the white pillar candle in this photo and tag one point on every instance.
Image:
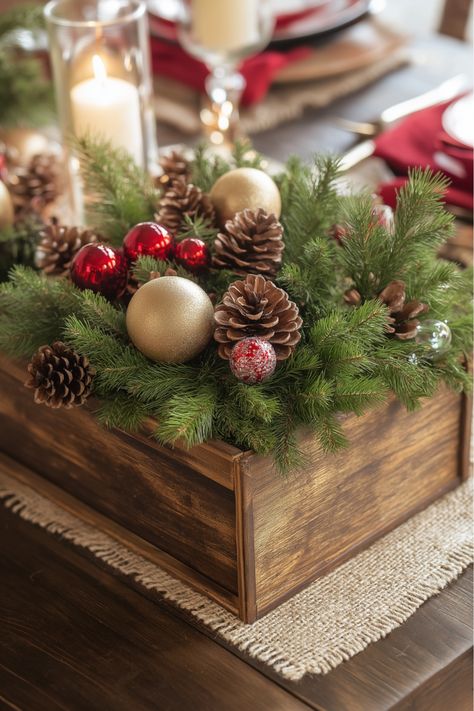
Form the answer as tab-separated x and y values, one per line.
109	108
225	25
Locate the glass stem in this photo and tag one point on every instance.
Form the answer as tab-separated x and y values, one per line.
220	114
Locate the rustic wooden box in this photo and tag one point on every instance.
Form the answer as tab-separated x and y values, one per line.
221	519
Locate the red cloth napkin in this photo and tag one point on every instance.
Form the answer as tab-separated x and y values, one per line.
419	140
172	61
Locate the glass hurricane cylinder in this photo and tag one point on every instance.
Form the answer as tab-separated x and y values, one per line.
101	67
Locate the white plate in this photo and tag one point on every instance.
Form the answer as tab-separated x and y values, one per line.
458	120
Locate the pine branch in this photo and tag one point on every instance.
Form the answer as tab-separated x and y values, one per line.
18	245
144	266
188	418
205	170
120	194
245	156
200	228
33	310
24	92
309	203
121	412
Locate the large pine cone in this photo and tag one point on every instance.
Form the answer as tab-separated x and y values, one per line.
59	245
402	322
256	307
175	167
59	376
183	199
251	244
34	187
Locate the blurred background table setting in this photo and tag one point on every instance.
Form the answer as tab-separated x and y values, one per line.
366	79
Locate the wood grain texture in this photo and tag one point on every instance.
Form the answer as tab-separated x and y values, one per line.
123	536
136	483
268	537
75	638
397	463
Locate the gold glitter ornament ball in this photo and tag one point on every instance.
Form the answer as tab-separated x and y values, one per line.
244	188
170	319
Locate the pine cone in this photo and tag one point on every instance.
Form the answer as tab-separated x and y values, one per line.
256	307
34	187
183	199
402	321
251	244
59	245
59	376
175	167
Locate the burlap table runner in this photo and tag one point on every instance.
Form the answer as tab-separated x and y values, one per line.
334	618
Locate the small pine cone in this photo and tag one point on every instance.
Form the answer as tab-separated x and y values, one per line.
251	244
59	376
183	199
352	297
59	245
34	187
134	284
402	322
175	167
256	307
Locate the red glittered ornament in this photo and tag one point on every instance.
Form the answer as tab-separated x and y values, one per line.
100	268
192	254
148	239
253	360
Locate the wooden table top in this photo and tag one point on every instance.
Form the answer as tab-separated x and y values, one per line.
75	637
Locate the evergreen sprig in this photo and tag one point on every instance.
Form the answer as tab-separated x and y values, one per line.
120	194
24	92
345	362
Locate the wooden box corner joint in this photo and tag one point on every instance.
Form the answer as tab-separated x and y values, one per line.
222	520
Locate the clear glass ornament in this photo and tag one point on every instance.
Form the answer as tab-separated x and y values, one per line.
435	336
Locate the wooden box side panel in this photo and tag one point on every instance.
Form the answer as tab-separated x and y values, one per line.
141	486
396	464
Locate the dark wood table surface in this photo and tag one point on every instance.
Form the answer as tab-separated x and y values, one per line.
75	637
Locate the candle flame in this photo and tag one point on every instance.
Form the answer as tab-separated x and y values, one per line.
98	66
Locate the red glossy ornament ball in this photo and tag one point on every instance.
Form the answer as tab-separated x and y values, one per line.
148	239
100	268
253	360
192	254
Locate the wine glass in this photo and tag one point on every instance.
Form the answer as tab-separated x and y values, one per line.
221	34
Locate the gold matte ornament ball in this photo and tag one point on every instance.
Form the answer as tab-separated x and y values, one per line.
6	207
244	188
170	319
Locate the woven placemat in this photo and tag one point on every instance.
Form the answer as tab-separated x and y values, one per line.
334	618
